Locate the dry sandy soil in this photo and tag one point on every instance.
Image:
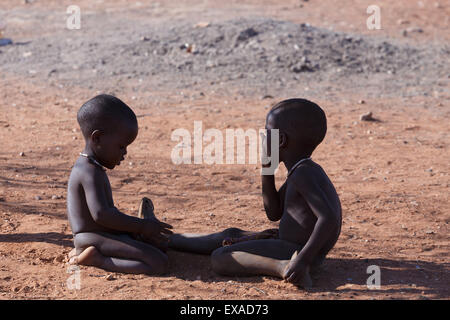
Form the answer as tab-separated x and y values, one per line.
392	175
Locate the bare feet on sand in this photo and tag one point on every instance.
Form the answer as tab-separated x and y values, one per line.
72	253
88	257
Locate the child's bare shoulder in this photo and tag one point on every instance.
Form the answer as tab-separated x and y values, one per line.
316	188
83	172
307	174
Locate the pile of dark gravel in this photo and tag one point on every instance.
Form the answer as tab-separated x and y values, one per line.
255	53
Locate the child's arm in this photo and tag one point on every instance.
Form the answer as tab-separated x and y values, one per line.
111	217
327	220
271	198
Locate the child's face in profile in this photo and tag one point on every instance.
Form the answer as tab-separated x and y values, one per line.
111	148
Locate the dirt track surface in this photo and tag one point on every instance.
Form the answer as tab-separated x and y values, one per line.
392	175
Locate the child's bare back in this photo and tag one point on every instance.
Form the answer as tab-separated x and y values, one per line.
298	220
80	218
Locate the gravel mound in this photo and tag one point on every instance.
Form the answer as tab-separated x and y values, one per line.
256	53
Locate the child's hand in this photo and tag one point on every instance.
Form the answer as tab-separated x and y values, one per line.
297	273
153	228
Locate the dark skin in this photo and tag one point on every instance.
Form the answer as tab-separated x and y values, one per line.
104	237
309	212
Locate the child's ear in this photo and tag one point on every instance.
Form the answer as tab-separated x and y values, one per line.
95	136
283	139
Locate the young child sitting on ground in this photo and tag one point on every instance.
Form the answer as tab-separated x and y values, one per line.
104	237
307	206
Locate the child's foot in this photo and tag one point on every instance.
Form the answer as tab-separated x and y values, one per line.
72	253
146	209
89	257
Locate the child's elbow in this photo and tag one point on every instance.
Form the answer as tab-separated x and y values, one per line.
273	214
273	217
329	220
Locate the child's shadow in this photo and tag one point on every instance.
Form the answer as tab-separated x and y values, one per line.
396	276
191	267
340	275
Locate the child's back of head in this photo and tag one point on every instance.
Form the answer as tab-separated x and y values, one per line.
103	112
303	121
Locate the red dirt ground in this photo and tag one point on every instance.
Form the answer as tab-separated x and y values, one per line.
392	177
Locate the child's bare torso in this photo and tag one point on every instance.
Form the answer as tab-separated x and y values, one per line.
79	215
298	220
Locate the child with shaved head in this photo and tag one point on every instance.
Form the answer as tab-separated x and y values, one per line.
306	205
104	237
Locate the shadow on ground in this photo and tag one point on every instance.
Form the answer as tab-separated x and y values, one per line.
59	239
338	275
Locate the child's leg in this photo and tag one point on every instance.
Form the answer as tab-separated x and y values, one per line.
92	257
257	257
119	254
204	243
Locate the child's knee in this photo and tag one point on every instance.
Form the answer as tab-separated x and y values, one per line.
232	232
82	241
